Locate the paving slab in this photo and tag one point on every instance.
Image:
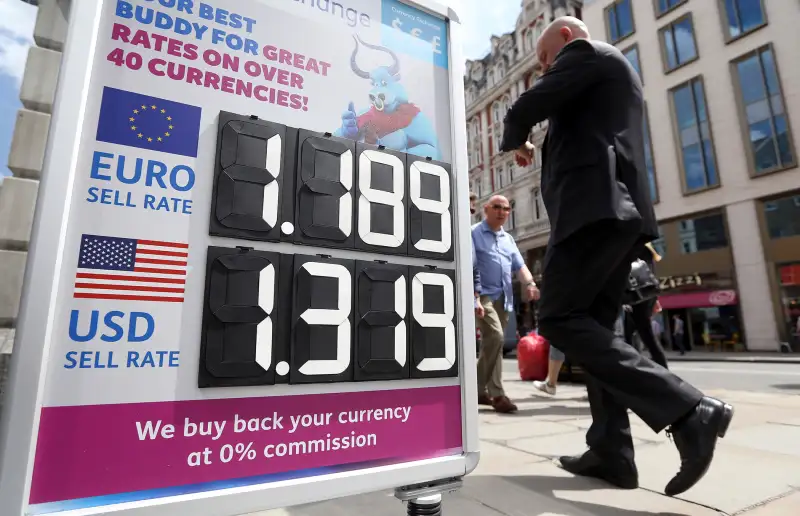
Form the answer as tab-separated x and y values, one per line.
541	490
739	477
774	438
756	471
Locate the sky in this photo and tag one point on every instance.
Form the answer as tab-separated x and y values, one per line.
16	29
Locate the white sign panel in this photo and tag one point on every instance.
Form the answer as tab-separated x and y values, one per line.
259	282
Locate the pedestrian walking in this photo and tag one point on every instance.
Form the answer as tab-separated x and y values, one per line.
554	364
641	314
495	258
678	333
595	189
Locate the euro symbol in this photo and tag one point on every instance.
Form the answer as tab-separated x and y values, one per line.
416	32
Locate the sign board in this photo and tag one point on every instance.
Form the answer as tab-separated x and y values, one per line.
249	282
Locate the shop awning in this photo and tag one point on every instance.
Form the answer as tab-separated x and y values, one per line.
702	299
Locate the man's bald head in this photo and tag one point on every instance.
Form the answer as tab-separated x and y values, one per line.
496	210
556	35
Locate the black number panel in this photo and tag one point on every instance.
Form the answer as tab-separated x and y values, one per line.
434	349
252	178
322	320
380	349
430	214
381	200
325	180
240	334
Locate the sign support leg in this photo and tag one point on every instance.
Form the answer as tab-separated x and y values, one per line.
426	499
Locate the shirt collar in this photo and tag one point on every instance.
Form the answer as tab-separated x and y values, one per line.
485	227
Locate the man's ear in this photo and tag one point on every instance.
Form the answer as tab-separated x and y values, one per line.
565	33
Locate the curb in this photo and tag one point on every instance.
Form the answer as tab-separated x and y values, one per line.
734	360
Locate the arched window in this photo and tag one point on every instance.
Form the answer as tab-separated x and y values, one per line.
490	77
536	198
530	41
497	115
512	216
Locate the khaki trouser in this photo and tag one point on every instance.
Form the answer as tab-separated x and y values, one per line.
490	360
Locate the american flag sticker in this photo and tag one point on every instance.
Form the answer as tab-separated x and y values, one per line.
129	269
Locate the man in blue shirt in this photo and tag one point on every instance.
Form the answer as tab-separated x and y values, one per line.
495	257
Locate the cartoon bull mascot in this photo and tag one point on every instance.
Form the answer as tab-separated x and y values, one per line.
391	120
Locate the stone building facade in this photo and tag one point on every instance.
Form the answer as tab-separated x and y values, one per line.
722	95
491	85
18	192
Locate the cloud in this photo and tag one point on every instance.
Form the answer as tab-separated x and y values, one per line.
481	19
16	36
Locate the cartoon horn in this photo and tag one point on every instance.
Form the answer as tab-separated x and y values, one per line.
393	70
354	65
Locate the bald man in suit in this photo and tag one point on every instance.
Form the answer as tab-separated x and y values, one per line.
594	186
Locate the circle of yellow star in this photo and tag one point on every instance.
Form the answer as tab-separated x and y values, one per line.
140	135
149	139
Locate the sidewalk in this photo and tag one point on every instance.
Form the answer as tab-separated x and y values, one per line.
756	472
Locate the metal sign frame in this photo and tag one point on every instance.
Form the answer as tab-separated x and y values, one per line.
35	333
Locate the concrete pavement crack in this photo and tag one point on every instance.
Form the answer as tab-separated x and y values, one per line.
762	503
719	511
484	504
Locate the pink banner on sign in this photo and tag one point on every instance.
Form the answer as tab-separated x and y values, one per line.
87	451
702	299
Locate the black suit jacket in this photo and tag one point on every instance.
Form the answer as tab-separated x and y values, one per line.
593	165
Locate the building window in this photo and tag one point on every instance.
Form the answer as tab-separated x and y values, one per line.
665	6
499	177
677	43
512	216
742	17
529	44
703	233
487	183
659	244
783	216
619	20
694	136
632	55
511	172
770	146
649	162
537	204
490	78
496	112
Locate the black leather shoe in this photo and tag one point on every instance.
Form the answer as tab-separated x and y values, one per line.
696	437
618	471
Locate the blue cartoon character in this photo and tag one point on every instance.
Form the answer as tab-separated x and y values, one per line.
391	119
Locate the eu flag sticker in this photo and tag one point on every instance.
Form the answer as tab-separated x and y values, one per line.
150	123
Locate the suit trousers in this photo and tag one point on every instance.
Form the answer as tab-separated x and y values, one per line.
640	315
583	281
490	360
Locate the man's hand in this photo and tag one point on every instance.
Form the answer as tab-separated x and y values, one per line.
479	311
524	154
533	292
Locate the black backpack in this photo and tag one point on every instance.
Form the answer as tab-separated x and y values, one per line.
642	286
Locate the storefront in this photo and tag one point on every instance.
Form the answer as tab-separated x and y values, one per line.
708	304
780	227
789	275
